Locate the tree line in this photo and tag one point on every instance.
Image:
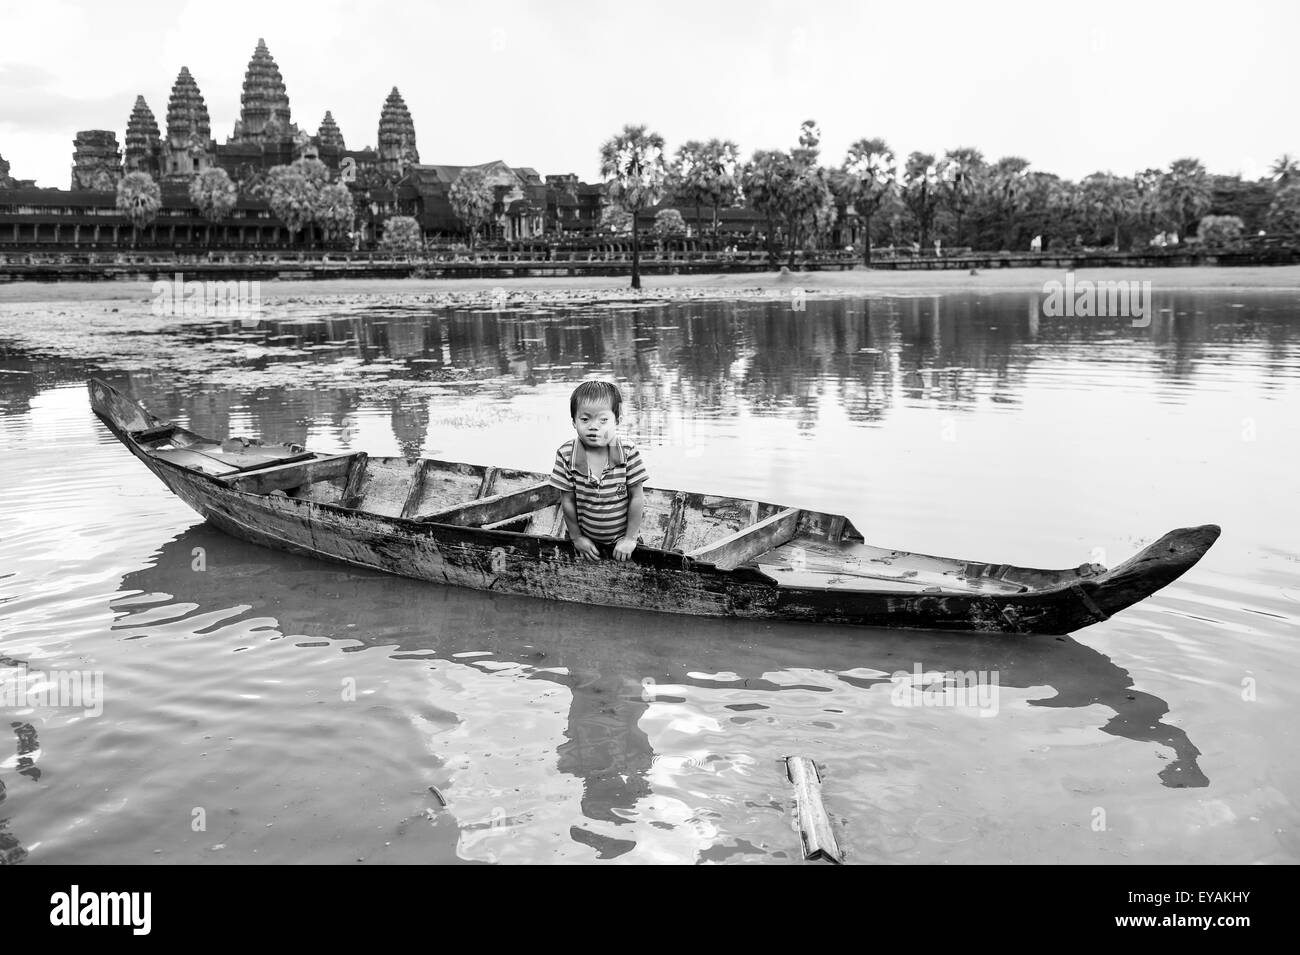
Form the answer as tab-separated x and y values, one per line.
959	199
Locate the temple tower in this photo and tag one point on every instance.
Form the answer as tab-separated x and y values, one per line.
329	133
396	136
188	150
264	115
143	143
96	160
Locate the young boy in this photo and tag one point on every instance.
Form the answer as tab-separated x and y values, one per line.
599	475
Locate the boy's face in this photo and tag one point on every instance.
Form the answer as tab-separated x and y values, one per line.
595	424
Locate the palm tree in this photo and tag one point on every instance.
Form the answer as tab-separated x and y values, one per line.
632	165
1185	193
139	199
1286	170
472	198
868	177
1109	200
214	195
722	157
961	174
809	205
1147	205
1007	181
688	176
920	191
767	179
335	211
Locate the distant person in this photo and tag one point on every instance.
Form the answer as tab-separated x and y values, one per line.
1036	244
600	476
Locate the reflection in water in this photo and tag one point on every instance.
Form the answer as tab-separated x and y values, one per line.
682	363
606	669
11	849
963	424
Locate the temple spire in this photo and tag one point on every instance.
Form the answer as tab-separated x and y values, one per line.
396	135
264	113
142	138
187	114
329	133
188	149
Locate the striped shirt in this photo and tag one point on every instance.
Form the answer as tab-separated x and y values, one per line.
601	500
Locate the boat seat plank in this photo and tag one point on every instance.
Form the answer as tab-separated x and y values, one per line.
195	461
498	507
437	485
284	476
748	543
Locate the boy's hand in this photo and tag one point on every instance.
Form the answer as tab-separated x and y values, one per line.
623	549
587	548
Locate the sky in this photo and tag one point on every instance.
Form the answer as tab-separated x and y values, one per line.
1072	87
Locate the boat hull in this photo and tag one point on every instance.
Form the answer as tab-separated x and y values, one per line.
509	562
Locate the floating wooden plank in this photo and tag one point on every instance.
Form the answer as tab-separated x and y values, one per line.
496	508
749	542
285	476
814	825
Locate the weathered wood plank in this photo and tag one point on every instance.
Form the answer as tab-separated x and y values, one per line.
709	517
418	480
748	543
495	508
814	825
351	495
446	484
489	479
285	476
197	460
676	521
266	462
150	435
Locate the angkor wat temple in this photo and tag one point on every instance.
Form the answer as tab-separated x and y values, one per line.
386	180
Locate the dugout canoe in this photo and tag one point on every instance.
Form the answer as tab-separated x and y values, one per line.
500	529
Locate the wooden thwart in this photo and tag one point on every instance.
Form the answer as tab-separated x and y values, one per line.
748	542
150	435
351	496
418	480
676	522
814	825
499	507
284	476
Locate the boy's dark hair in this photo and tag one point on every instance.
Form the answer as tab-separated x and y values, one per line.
597	393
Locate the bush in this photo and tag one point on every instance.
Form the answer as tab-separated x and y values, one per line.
1219	232
402	234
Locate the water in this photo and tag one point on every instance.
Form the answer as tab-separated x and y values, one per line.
262	707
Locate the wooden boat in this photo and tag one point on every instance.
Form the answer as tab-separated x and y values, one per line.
501	529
